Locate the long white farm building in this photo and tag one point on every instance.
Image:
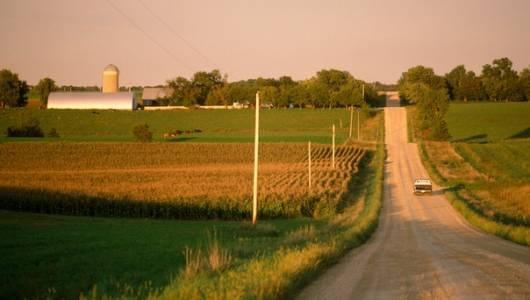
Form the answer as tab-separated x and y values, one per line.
91	100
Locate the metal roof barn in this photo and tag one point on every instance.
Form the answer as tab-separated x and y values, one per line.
91	100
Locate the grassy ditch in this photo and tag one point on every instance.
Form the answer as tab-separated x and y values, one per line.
462	195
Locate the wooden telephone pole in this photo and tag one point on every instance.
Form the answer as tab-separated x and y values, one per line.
256	156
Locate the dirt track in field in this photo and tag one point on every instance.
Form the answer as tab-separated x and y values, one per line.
423	248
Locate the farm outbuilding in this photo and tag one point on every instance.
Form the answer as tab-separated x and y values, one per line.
156	96
91	100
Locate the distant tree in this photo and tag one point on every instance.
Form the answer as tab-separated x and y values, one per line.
501	81
242	91
269	94
13	91
183	92
44	88
418	75
464	85
203	82
219	95
348	94
318	93
524	83
286	91
300	94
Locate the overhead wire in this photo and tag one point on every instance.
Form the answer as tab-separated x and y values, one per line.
176	34
147	35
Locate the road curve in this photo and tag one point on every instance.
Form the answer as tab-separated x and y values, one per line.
423	248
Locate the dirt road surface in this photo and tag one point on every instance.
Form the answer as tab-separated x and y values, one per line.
423	249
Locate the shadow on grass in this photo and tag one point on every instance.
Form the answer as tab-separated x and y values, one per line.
479	139
521	135
180	139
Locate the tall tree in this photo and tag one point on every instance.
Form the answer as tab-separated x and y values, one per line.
204	82
183	92
432	106
13	91
524	82
418	75
464	85
501	81
44	88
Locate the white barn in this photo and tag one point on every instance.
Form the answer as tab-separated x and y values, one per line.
91	100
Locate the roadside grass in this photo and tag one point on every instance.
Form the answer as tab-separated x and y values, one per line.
277	125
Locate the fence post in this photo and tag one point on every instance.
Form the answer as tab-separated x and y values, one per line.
333	148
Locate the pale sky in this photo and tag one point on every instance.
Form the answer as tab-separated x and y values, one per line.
72	41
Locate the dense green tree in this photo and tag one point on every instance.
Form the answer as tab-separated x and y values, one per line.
44	88
183	92
524	83
13	91
464	85
242	92
432	106
203	82
501	81
269	94
412	77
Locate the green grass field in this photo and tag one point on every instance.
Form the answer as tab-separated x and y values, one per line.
293	125
72	254
483	122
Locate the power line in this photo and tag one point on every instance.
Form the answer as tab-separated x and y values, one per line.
146	34
176	34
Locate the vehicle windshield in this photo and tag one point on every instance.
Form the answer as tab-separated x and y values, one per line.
423	187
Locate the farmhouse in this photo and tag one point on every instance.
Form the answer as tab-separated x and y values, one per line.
110	98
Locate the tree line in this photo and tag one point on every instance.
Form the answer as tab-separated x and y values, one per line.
497	82
328	88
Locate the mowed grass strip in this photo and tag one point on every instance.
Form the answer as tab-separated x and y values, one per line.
276	125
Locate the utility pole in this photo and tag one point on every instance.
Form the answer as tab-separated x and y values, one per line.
351	120
256	148
358	124
309	163
333	148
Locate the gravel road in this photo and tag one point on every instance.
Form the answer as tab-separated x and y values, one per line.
423	248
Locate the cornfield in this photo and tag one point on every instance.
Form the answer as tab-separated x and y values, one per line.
163	180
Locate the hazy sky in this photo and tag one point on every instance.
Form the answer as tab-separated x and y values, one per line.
152	41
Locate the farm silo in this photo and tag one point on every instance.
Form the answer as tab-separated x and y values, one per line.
111	75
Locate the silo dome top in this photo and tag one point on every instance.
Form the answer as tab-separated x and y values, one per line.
111	68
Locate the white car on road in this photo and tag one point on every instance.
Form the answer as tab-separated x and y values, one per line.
422	186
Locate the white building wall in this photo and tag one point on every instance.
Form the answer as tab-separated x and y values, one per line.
91	100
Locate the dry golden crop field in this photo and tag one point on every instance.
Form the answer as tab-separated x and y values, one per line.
172	180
